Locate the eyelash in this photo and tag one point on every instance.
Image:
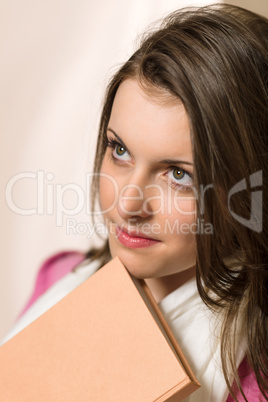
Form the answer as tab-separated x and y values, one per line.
112	144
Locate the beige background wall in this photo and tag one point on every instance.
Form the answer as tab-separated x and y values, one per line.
258	6
55	59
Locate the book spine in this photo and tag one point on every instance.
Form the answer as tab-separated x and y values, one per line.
169	333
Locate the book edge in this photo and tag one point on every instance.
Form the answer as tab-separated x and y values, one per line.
169	333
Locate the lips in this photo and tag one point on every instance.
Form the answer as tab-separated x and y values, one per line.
134	240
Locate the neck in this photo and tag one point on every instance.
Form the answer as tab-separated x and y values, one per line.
161	287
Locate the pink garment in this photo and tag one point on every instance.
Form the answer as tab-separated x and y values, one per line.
61	264
249	385
51	271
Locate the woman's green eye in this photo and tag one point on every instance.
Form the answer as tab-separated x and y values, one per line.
179	178
178	174
120	150
120	153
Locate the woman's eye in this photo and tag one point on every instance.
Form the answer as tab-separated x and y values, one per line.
118	152
179	178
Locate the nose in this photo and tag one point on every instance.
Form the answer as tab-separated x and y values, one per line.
132	202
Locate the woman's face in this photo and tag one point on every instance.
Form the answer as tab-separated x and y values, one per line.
146	189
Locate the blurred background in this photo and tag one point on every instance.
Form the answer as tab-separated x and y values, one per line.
56	57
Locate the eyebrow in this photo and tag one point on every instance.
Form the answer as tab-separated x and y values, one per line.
175	162
164	161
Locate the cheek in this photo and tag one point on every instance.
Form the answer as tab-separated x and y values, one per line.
180	228
185	207
183	216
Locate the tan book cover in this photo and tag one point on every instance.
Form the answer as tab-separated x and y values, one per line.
105	341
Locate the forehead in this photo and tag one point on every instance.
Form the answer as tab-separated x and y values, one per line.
153	119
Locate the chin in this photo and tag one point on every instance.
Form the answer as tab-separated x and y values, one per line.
139	270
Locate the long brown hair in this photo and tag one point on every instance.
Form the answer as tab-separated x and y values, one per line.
215	60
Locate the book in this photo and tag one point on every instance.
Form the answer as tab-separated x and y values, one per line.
107	340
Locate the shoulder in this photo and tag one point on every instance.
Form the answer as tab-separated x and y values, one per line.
53	269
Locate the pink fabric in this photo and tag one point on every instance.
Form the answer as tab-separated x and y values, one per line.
249	385
61	264
51	271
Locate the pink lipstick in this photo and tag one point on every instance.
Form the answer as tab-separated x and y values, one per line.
133	240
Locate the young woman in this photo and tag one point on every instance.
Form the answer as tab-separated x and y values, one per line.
181	169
